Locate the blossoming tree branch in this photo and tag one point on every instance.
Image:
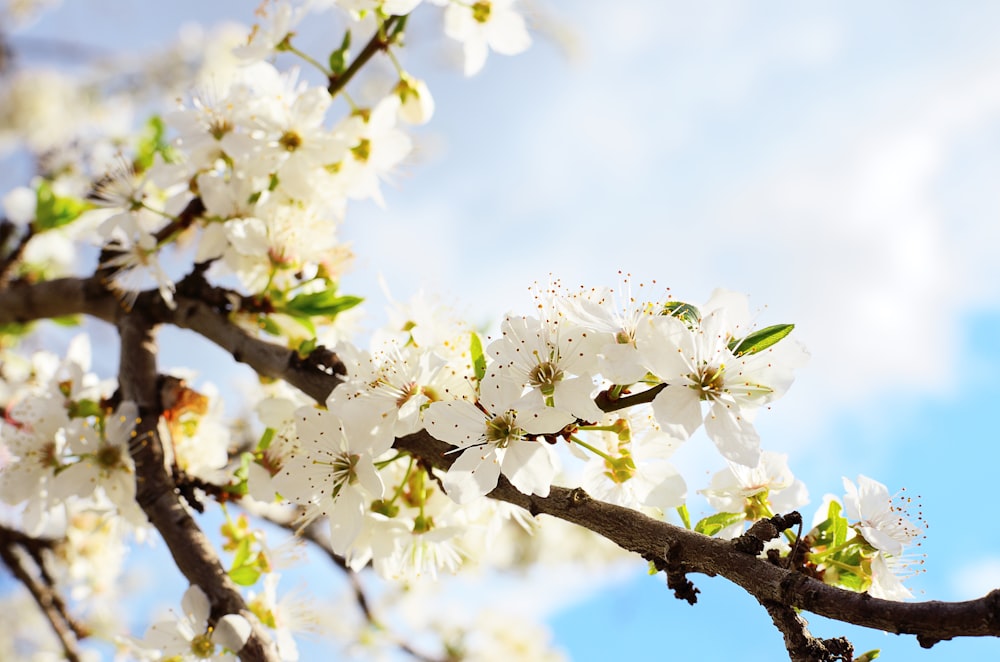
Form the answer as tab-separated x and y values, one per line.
421	452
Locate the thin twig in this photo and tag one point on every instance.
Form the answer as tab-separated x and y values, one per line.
46	597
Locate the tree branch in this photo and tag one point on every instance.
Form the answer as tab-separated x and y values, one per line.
51	604
156	494
930	621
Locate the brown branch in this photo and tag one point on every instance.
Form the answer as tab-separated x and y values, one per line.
156	494
382	39
691	552
800	644
10	261
51	604
607	404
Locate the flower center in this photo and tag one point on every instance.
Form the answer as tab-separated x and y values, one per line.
481	11
709	381
290	141
502	429
202	647
545	376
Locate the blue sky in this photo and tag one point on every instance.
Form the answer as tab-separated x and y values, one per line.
838	163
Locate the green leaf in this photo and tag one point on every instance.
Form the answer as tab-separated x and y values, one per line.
712	524
243	551
682	510
325	302
760	340
682	311
306	347
152	142
305	321
868	656
338	58
66	320
54	211
478	359
246	575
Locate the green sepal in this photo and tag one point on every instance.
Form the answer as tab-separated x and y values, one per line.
478	358
84	409
760	340
245	575
712	524
54	211
339	57
683	311
268	325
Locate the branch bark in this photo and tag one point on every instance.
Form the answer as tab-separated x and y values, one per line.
156	494
51	604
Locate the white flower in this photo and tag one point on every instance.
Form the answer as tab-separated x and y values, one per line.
135	263
416	103
376	148
104	462
886	583
697	365
881	522
771	478
189	638
614	320
553	359
333	473
639	473
483	25
494	440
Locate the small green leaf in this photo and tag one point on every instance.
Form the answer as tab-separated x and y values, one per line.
66	320
242	552
712	524
325	302
682	311
54	211
760	340
306	347
868	656
338	58
245	575
152	142
682	510
478	359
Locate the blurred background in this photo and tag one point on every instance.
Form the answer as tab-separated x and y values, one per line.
839	164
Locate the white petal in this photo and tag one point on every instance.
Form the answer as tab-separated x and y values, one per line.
232	632
196	606
733	434
678	411
457	422
528	466
474	474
